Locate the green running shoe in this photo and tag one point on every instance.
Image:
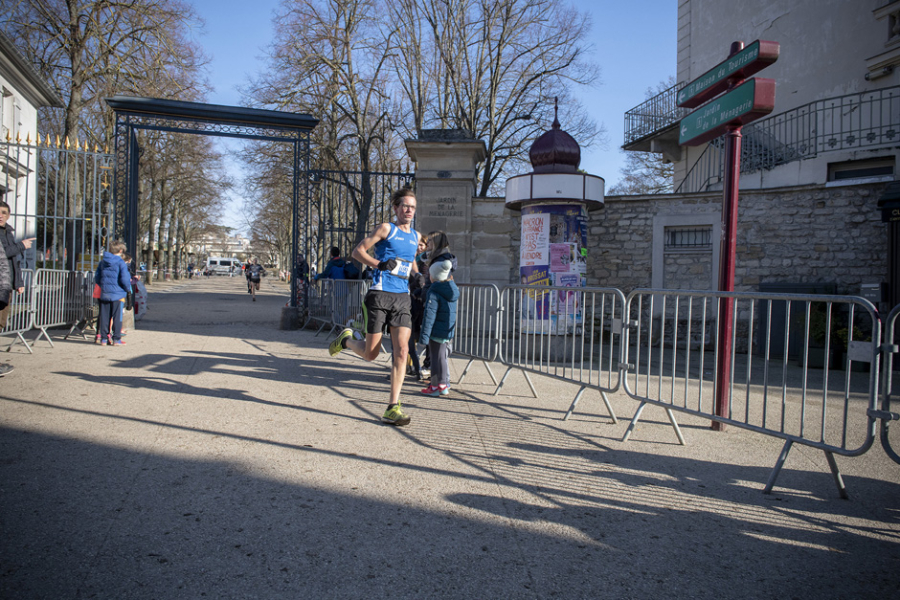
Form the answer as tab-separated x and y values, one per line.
338	343
362	325
395	416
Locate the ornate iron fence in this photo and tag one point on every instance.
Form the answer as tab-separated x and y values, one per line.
346	205
59	194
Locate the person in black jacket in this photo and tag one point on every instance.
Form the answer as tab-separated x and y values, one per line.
5	293
13	250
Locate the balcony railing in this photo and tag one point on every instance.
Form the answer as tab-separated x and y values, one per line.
656	114
850	122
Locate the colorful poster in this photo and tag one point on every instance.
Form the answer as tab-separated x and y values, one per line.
562	258
535	240
554	237
566	313
536	302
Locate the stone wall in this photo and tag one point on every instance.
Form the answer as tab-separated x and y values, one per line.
808	234
495	227
804	235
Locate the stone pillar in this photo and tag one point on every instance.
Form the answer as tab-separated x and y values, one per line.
446	162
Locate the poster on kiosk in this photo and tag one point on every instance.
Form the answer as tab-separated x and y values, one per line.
553	254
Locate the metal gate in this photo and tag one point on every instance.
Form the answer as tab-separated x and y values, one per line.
134	114
346	206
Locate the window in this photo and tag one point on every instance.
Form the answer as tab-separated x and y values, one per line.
860	169
693	238
7	114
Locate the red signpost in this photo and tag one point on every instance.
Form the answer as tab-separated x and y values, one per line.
744	102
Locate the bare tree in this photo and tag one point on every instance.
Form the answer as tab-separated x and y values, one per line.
330	58
492	67
89	48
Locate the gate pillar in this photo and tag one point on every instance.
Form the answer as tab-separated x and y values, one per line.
446	162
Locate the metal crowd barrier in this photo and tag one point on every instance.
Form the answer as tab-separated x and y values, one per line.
673	349
337	303
82	301
568	333
890	347
477	326
21	315
802	368
58	300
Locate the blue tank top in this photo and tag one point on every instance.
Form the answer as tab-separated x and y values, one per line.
402	246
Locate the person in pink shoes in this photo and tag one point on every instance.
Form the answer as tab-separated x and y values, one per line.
439	324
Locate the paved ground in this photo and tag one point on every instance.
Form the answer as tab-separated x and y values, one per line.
218	456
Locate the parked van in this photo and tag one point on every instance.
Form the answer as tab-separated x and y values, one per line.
220	265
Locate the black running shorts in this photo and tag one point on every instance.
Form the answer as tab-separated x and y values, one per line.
387	308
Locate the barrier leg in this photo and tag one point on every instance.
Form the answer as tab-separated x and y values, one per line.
842	489
634	421
44	333
675	426
502	381
465	371
612	413
20	337
780	463
320	329
574	403
491	373
531	385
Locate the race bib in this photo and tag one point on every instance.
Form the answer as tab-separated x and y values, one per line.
403	268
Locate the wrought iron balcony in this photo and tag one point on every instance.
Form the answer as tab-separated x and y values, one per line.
652	117
853	121
850	122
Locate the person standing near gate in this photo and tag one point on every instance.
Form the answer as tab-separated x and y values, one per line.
387	303
13	250
115	283
5	297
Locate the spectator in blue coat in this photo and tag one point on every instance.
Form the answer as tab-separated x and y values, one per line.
335	267
439	325
115	282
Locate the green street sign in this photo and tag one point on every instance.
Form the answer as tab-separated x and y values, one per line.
752	59
747	102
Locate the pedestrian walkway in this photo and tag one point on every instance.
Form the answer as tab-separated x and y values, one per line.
217	456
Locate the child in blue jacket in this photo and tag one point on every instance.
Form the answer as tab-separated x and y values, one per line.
439	325
115	282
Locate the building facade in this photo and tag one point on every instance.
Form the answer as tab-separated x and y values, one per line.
22	92
812	172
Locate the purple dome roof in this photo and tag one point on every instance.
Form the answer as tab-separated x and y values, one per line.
555	151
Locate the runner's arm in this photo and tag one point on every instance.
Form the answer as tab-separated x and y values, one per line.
361	252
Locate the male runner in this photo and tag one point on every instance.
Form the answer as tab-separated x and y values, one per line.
387	302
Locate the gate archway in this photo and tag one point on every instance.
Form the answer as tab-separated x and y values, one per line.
135	113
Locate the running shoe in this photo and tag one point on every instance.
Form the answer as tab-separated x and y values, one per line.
361	325
118	342
338	343
434	391
395	416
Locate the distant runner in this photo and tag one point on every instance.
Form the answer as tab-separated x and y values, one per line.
254	275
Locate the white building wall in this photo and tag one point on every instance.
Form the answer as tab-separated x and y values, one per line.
828	47
18	179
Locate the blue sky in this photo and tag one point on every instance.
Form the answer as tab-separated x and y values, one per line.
634	45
